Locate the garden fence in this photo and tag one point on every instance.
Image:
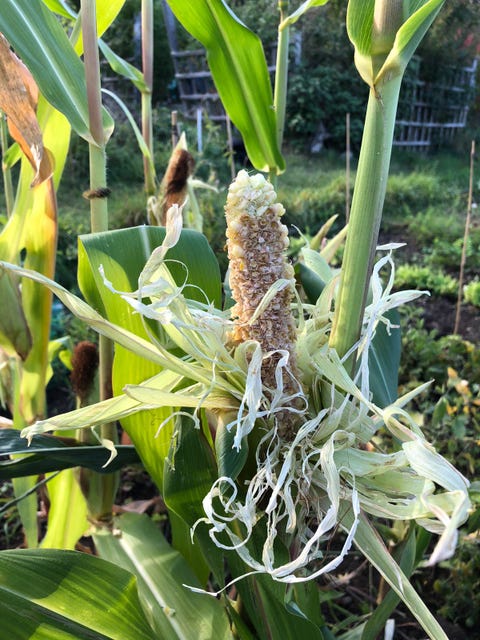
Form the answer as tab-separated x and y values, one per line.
432	113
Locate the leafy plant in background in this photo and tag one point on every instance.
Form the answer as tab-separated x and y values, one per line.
255	429
471	293
437	282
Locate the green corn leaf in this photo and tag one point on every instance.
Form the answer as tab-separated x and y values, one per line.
373	548
12	155
61	8
66	595
239	69
107	11
38	38
317	263
48	453
67	515
85	313
265	600
379	617
302	9
32	226
138	134
189	473
123	254
312	283
122	67
15	335
230	461
162	573
182	542
384	361
415	20
116	408
421	15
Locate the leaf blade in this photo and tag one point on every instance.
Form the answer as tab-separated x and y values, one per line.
239	69
69	593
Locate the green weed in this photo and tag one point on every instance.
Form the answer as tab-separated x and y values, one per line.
424	278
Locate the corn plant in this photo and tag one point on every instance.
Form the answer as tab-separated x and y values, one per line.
32	227
264	424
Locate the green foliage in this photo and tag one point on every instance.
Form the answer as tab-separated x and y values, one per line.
262	17
447	254
191	468
431	224
65	594
424	278
450	408
121	37
457	588
451	39
310	207
323	96
326	86
471	293
241	77
413	192
455	431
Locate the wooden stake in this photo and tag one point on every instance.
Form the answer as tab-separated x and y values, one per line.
174	128
465	240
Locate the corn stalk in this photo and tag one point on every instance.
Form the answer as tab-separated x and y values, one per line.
100	490
385	34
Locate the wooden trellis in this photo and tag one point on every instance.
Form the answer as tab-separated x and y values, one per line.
195	85
194	80
432	113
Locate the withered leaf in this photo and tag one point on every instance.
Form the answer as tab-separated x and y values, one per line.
18	100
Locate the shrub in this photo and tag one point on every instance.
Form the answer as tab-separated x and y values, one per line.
471	293
444	253
424	278
458	586
311	207
412	192
322	96
430	225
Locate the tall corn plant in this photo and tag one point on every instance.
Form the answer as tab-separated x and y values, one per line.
265	453
43	46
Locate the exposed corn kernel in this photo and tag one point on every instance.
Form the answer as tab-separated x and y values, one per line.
256	241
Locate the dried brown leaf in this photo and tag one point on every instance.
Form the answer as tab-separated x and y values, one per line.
18	100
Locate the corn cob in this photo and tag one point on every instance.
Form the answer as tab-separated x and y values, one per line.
256	241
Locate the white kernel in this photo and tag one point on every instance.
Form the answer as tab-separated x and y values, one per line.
236	251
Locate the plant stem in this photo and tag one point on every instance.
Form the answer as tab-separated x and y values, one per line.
347	167
365	216
281	73
92	70
147	65
98	180
7	174
98	166
465	240
102	488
